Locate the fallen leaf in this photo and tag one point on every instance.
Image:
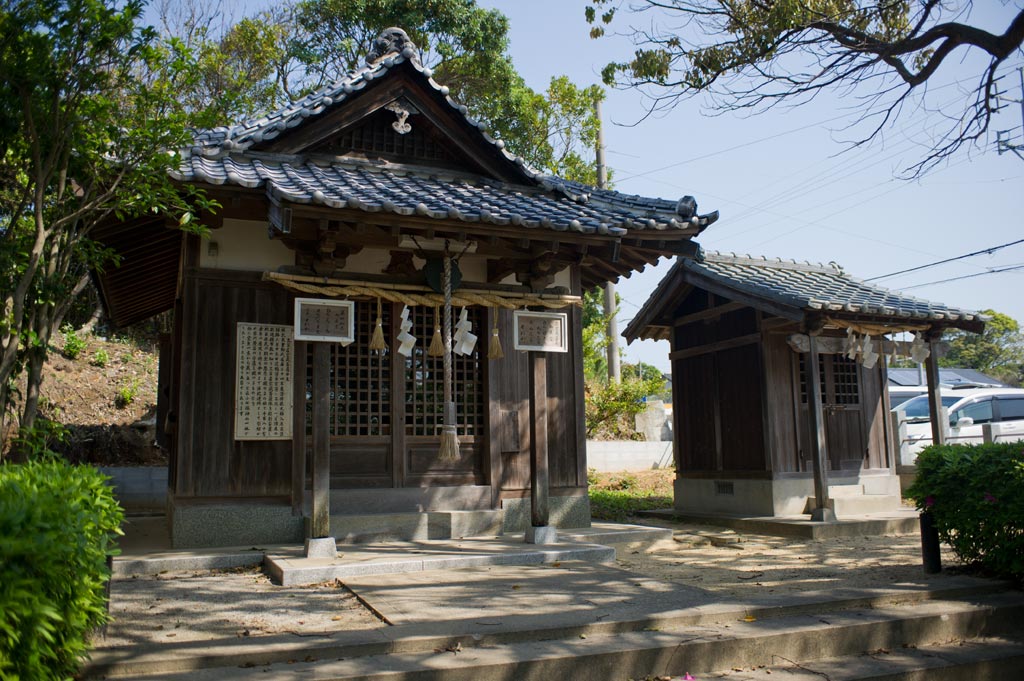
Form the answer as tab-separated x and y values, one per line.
749	618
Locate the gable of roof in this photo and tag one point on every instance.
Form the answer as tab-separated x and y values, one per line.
283	154
793	290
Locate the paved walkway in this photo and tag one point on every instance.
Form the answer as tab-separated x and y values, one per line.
701	569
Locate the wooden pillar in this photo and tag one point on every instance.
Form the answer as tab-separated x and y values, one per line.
321	520
538	439
819	445
299	428
931	370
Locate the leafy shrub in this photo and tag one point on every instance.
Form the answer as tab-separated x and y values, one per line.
611	408
101	358
73	343
618	505
976	495
57	525
126	394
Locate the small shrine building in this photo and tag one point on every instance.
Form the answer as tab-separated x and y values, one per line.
339	214
780	405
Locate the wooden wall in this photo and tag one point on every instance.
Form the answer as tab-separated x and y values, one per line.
210	462
719	420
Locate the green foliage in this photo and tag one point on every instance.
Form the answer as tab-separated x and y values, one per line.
90	104
73	343
976	495
57	526
998	351
611	408
101	358
126	394
618	505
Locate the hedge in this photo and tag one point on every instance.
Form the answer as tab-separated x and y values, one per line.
976	495
57	526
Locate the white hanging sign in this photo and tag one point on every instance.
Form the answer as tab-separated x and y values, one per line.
263	382
319	319
541	331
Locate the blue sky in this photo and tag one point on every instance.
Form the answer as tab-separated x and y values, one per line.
782	185
781	181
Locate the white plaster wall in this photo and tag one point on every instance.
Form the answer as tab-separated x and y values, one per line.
612	456
244	245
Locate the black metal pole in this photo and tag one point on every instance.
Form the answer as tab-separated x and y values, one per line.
930	555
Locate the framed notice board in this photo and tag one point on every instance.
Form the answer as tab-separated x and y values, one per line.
319	319
541	331
263	382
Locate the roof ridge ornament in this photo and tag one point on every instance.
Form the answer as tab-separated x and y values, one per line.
392	41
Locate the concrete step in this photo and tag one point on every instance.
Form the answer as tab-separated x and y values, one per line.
866	504
289	566
694	642
361	528
991	659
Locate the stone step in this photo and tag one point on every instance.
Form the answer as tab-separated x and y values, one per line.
864	505
695	642
361	528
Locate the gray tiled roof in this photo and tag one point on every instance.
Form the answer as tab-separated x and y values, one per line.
225	156
405	190
947	376
810	287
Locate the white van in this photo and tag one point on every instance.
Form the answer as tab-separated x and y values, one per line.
969	409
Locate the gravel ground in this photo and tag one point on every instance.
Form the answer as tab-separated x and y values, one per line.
195	606
740	565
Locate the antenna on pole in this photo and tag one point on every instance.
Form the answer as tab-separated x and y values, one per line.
614	371
1004	138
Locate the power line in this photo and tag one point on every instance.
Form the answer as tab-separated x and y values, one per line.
984	251
966	276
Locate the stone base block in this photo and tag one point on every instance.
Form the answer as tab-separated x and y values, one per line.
321	547
541	535
564	512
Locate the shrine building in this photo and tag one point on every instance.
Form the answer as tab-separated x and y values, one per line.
307	381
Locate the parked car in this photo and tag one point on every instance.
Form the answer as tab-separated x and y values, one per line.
969	409
898	394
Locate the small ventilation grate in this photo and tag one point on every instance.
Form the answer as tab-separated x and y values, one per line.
724	488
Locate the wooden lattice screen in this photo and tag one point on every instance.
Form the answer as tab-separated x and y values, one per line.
360	380
845	381
424	380
377	136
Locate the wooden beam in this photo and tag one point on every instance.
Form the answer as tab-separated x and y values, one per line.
320	525
736	342
538	439
299	428
931	370
819	443
709	313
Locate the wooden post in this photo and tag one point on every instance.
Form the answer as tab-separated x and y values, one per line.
321	521
931	370
819	445
299	428
538	439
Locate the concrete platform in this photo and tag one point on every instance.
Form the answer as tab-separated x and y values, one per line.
289	567
146	551
900	521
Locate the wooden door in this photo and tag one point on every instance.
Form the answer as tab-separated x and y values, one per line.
842	411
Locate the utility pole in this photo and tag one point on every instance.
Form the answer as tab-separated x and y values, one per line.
1004	138
614	373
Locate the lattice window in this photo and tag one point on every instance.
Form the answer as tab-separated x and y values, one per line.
424	380
377	136
803	377
844	379
359	380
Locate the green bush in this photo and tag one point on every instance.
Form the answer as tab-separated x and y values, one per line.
73	343
126	394
618	505
101	358
976	495
57	526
